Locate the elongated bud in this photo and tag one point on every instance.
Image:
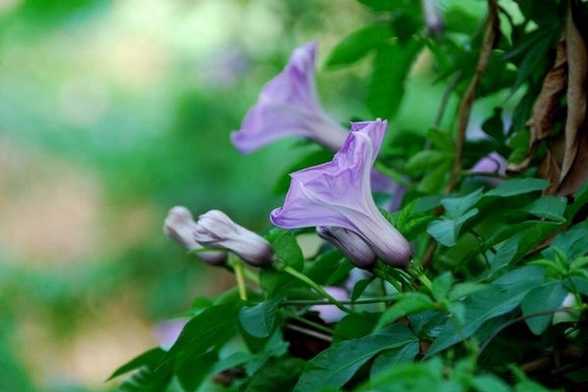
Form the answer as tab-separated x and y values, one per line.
179	225
352	245
216	229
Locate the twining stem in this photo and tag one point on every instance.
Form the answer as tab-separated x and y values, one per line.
309	332
305	279
311	324
362	301
239	268
465	106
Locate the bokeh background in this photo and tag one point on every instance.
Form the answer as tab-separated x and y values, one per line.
111	112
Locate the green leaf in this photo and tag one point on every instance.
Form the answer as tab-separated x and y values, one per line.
276	375
425	160
573	243
445	231
580	200
434	181
461	290
548	207
456	207
358	44
355	325
543	298
333	367
259	320
147	380
193	371
505	294
150	358
360	287
518	186
441	286
210	329
286	248
386	86
379	5
407	303
393	357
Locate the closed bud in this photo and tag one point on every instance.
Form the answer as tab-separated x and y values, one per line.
216	229
180	226
352	245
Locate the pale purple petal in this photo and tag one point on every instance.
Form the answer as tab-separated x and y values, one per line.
167	332
330	313
338	193
288	105
492	163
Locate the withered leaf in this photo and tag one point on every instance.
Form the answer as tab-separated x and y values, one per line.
574	168
547	104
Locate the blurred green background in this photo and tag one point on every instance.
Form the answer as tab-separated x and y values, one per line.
112	112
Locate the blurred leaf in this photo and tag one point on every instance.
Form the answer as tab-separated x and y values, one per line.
358	44
390	69
456	207
355	325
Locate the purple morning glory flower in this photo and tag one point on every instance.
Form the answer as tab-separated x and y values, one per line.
492	163
338	193
289	105
180	226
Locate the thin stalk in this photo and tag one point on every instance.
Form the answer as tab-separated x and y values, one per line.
310	332
239	268
305	279
311	324
361	301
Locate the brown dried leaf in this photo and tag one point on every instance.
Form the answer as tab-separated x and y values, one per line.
546	106
574	170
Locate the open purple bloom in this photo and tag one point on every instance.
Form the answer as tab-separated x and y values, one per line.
289	105
338	193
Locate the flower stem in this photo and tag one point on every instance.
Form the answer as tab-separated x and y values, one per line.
311	324
239	269
317	287
361	301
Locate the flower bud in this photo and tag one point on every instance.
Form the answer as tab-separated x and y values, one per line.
180	226
352	245
216	229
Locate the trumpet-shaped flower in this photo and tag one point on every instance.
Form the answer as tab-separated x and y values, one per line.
180	226
217	230
288	105
338	193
